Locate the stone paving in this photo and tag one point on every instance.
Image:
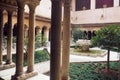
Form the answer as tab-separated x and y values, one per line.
45	66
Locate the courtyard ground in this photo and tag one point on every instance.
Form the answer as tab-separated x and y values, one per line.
45	66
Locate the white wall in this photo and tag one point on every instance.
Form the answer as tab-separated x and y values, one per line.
106	15
103	15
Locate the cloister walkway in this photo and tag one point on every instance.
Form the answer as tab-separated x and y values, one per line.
45	66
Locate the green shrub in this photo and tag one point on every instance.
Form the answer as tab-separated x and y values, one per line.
78	34
87	71
40	56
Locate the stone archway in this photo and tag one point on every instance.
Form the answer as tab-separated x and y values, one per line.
15	30
55	31
89	35
37	30
5	31
85	34
93	33
43	32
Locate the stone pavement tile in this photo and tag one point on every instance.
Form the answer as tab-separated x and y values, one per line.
40	77
42	67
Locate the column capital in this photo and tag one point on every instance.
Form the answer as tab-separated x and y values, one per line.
34	3
32	8
21	4
10	12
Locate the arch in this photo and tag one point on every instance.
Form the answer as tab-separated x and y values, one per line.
15	30
85	34
37	30
44	35
43	30
5	30
89	35
5	16
93	33
25	27
26	8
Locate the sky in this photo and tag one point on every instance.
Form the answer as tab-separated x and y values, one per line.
43	9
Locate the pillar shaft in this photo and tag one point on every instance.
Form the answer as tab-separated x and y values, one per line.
31	39
93	4
20	41
55	60
9	38
47	35
1	34
66	41
116	3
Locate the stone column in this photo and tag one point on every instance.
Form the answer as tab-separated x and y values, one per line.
20	40
9	38
116	3
31	39
55	60
1	34
93	4
66	41
47	35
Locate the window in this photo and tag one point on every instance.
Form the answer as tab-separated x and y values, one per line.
104	3
82	5
119	2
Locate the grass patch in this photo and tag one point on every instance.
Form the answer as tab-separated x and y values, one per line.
87	71
40	56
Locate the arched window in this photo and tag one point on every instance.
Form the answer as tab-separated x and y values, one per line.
104	3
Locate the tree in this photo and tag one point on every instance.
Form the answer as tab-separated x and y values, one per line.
108	37
77	34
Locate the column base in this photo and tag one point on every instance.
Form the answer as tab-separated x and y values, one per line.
24	76
8	62
7	66
65	78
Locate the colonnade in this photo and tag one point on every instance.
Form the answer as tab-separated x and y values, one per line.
1	35
89	34
9	38
59	68
59	57
20	41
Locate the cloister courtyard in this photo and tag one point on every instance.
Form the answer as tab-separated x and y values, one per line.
59	39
